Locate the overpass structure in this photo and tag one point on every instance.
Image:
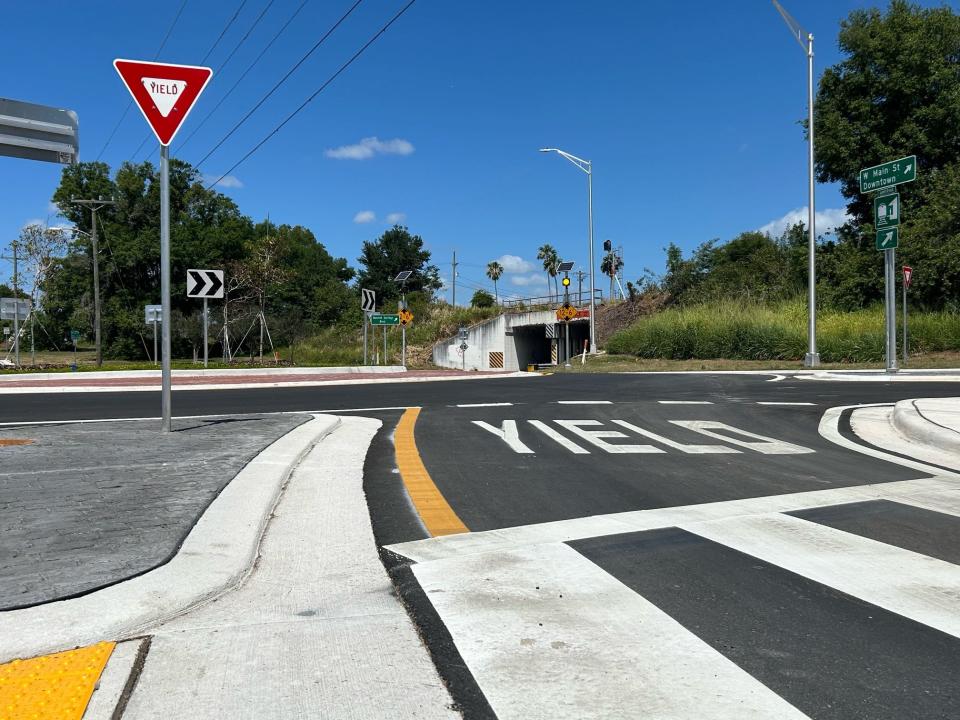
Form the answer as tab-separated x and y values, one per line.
513	341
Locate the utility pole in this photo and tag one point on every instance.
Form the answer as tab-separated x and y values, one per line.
580	274
94	206
454	267
16	306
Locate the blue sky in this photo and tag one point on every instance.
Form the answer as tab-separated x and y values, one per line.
688	111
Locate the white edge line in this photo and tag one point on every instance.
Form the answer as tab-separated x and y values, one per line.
584	402
685	402
786	403
482	405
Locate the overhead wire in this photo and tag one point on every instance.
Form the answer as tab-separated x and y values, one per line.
163	44
282	80
310	99
250	67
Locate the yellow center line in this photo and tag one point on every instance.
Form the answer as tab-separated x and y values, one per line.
433	508
51	687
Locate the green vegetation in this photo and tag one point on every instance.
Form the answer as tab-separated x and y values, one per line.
741	330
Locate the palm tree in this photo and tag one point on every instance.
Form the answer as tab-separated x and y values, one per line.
550	259
611	265
494	271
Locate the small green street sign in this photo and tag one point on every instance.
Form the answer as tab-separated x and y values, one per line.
886	211
890	173
381	319
888	239
74	335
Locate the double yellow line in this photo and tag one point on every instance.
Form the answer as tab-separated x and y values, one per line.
433	508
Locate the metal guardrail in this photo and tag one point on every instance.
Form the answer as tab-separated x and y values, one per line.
576	298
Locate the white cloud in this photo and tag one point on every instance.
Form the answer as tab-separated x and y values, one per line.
396	218
364	216
826	220
368	147
515	264
227	181
531	280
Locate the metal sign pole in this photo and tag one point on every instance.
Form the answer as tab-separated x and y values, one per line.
366	320
16	307
904	323
205	332
155	358
891	309
384	344
165	394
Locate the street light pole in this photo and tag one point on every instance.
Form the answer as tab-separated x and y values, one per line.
94	206
812	358
587	167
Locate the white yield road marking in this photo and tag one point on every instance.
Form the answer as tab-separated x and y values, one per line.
592	432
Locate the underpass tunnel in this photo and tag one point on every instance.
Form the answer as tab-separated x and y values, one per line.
532	345
579	333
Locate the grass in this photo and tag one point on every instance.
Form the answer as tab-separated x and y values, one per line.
752	332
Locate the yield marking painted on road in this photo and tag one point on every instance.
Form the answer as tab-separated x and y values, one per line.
548	633
786	403
58	685
916	586
684	402
761	443
433	508
584	402
595	437
509	432
558	438
482	405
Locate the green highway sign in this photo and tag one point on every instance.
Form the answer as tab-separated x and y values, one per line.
381	319
888	239
886	211
890	173
74	335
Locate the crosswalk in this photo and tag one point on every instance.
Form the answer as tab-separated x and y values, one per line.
840	603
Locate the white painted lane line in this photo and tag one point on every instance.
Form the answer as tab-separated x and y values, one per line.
584	402
482	405
916	586
684	402
548	634
558	438
938	494
786	403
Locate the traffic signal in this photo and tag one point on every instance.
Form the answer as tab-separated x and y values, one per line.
607	246
566	282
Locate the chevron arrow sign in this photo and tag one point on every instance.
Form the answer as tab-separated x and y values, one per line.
205	284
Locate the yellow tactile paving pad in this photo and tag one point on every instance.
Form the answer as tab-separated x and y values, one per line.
432	506
52	687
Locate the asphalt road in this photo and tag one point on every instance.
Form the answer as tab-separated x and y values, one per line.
770	592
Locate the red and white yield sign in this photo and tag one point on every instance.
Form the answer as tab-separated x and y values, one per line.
164	93
907	275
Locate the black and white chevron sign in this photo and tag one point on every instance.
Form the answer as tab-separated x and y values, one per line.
368	302
205	284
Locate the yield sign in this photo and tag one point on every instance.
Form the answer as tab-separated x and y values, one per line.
164	93
907	275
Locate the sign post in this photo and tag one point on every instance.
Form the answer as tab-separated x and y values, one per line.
907	279
368	303
151	316
886	218
165	94
205	284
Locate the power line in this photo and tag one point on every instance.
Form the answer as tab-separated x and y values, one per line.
245	72
319	90
281	81
225	62
130	102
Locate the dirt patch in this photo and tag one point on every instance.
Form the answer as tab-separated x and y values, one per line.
612	318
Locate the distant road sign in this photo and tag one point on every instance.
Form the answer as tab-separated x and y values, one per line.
164	93
74	336
463	346
368	300
889	173
406	317
381	319
38	132
907	275
205	284
886	211
152	313
9	306
888	239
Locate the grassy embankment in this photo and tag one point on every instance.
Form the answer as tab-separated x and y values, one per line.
750	332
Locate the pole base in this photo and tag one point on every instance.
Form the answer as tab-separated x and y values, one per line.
811	360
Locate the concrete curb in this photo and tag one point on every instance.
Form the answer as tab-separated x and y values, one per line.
911	423
227	372
216	556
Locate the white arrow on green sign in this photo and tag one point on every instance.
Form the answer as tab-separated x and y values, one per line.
889	173
888	239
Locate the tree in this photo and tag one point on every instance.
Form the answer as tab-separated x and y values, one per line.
394	251
548	254
482	299
611	265
494	272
